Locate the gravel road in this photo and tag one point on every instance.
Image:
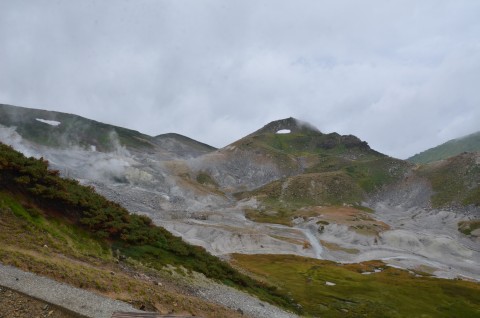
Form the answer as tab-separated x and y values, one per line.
234	299
244	303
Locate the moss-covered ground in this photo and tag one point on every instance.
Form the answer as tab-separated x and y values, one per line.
389	292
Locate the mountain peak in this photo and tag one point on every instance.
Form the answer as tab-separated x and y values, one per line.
287	125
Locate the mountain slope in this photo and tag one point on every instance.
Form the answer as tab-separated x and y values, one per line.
283	148
470	143
455	181
89	223
182	146
323	169
61	130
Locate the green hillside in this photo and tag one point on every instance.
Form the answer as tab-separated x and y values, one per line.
331	169
303	139
470	143
78	131
91	225
455	180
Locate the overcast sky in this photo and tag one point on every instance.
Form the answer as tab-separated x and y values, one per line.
402	75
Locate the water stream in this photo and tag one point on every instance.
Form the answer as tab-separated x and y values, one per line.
317	247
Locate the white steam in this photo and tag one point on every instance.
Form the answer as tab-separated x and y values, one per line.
9	136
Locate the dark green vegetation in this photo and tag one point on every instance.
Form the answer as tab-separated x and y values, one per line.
470	143
43	195
78	131
455	181
389	293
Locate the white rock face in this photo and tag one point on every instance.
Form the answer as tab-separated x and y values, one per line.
284	131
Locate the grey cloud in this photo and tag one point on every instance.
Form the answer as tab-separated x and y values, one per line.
400	74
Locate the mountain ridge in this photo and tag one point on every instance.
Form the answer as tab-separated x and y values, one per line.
68	130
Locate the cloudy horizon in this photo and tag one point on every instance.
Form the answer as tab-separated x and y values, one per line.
400	75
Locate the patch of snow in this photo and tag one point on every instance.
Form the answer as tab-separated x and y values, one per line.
49	122
330	284
374	271
284	131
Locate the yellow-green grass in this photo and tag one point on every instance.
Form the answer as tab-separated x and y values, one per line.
357	218
389	293
335	247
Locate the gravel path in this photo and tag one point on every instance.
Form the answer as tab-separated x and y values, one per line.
234	299
247	305
77	300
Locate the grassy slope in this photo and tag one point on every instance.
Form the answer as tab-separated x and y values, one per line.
338	169
455	180
390	293
470	143
310	142
46	194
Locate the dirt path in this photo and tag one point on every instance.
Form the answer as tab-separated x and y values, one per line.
14	304
79	301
